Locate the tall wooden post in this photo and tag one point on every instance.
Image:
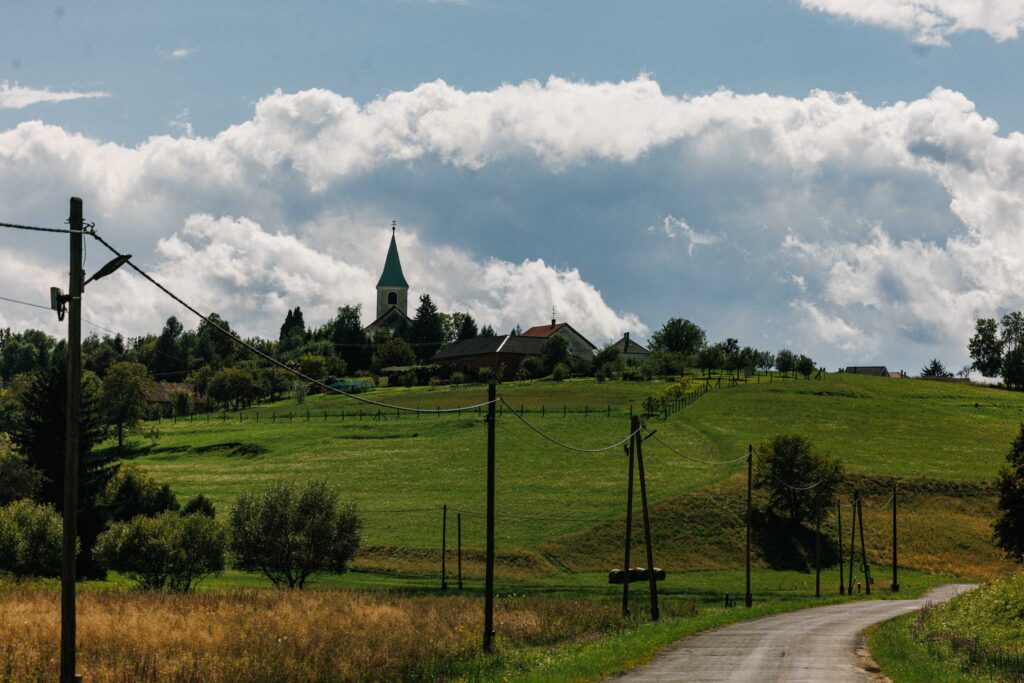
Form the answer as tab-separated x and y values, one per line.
629	521
817	547
863	552
459	525
839	522
652	580
489	569
444	546
853	537
749	601
71	441
895	563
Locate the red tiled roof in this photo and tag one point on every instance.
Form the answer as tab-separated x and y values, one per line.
543	330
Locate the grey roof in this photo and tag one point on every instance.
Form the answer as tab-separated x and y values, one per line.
871	370
477	346
620	346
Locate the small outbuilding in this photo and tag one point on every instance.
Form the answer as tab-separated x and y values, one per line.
501	354
868	370
629	351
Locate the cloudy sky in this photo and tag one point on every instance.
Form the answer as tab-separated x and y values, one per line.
842	177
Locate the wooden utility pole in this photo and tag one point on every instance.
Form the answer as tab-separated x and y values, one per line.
459	519
817	548
750	512
863	552
652	580
839	522
629	520
71	441
444	546
489	569
895	563
853	537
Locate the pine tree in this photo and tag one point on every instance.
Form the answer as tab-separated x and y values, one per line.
427	332
39	434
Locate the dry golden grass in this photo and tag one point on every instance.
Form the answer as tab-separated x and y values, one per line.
268	635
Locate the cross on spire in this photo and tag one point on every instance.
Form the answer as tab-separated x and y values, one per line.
394	224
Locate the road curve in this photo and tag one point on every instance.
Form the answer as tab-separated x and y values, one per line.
809	645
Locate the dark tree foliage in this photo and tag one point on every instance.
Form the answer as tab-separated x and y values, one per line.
200	505
349	339
394	352
28	351
935	368
291	531
465	325
18	479
785	361
805	365
1008	529
99	354
38	433
679	335
213	346
168	360
30	539
786	467
427	334
986	348
554	350
486	331
710	358
293	331
131	492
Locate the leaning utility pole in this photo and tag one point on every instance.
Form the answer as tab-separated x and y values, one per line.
652	579
489	569
750	512
895	564
839	522
71	439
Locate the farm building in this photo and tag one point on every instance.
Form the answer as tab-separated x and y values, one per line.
869	370
469	355
579	345
629	351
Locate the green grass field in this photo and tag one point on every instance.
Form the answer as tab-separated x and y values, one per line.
401	470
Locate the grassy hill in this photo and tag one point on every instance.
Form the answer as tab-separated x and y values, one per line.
553	504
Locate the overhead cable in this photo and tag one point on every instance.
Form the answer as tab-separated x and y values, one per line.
696	460
560	443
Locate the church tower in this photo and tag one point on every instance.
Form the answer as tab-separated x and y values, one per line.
392	289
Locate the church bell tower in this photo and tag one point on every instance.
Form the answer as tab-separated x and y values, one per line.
392	289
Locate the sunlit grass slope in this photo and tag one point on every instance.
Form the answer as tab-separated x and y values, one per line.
401	470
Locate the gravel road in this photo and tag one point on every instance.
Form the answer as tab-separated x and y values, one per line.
816	644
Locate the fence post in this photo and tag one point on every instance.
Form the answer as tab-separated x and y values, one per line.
817	547
459	527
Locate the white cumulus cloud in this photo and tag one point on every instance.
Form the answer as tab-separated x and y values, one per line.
931	21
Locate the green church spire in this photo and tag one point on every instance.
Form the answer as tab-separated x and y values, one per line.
392	275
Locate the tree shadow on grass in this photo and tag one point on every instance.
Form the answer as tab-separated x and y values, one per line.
788	547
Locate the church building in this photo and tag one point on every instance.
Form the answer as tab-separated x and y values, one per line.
392	293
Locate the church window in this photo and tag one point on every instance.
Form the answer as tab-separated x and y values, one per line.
392	298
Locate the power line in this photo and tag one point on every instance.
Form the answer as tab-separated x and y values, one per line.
47	308
36	228
273	360
798	488
654	436
560	443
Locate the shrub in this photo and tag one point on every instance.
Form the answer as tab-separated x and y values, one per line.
1009	526
200	505
18	479
485	375
168	552
132	492
181	402
533	367
458	378
291	531
560	372
30	539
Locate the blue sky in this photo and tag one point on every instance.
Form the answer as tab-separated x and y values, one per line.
624	162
